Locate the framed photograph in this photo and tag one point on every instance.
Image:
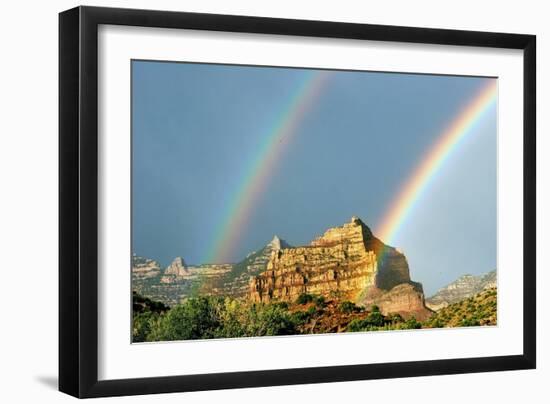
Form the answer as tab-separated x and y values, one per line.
250	201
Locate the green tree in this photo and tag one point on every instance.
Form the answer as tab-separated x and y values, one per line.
196	318
143	322
269	319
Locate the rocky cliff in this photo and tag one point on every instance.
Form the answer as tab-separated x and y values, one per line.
463	288
345	263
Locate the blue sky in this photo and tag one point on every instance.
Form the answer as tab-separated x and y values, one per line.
195	126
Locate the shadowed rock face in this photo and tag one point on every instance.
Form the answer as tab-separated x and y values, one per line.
347	263
406	299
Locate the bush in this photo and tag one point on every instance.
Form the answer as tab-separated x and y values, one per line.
372	322
320	301
301	317
412	324
282	305
395	318
375	318
358	325
347	307
435	323
469	322
304	298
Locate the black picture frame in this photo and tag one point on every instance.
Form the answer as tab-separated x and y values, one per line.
78	201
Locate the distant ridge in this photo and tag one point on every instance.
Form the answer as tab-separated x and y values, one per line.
463	288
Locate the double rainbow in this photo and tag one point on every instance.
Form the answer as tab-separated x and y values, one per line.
258	171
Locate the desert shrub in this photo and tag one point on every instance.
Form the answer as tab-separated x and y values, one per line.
469	322
435	323
347	307
301	317
358	325
411	324
373	321
282	305
320	301
375	318
395	318
304	298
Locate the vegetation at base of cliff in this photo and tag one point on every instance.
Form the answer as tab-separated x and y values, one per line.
477	310
376	321
206	317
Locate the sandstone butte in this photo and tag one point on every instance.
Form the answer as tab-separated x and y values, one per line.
345	263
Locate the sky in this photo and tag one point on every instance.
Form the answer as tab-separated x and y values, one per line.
196	128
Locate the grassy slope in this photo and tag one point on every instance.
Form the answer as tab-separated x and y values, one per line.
477	310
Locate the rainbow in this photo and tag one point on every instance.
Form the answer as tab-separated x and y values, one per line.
259	169
438	154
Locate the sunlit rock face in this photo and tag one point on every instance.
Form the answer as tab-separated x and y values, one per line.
345	263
